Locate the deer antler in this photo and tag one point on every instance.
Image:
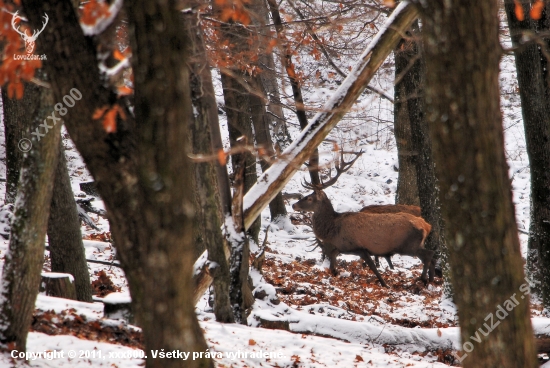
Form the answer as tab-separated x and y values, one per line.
13	19
342	167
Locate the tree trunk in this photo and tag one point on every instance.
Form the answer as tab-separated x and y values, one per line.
25	257
407	189
237	105
531	68
313	164
64	236
269	77
210	214
239	125
141	168
462	98
261	124
16	114
413	81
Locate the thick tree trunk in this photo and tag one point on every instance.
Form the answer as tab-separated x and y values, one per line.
407	189
462	95
210	214
16	113
141	168
64	236
413	81
531	68
239	125
25	257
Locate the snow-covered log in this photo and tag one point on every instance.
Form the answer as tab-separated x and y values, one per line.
410	339
275	178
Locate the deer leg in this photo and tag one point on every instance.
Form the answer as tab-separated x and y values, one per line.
432	269
366	257
331	252
388	259
426	257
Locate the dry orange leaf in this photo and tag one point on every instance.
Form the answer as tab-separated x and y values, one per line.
358	358
109	120
251	342
439	332
222	157
536	10
15	89
98	113
519	11
93	11
118	55
125	91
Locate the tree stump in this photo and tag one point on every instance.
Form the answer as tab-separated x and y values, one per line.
58	284
118	306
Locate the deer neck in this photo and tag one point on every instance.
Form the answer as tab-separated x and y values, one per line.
324	224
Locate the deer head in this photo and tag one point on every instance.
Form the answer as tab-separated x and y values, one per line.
29	40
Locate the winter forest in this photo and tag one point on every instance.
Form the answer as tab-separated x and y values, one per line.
275	183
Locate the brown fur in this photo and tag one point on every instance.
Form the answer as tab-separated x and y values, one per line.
392	208
365	234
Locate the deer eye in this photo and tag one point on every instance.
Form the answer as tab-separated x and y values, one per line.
309	199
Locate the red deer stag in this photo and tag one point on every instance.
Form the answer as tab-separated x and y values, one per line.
366	233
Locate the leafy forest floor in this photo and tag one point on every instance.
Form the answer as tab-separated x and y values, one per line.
311	318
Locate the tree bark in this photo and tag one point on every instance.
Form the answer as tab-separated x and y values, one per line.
269	78
210	214
413	80
141	168
239	125
25	257
64	236
261	124
462	100
407	188
16	114
532	71
313	165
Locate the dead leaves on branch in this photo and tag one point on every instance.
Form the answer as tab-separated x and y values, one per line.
535	13
93	11
108	116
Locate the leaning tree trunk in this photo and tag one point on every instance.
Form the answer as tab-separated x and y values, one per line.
462	99
25	256
531	68
15	113
141	168
64	236
210	214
